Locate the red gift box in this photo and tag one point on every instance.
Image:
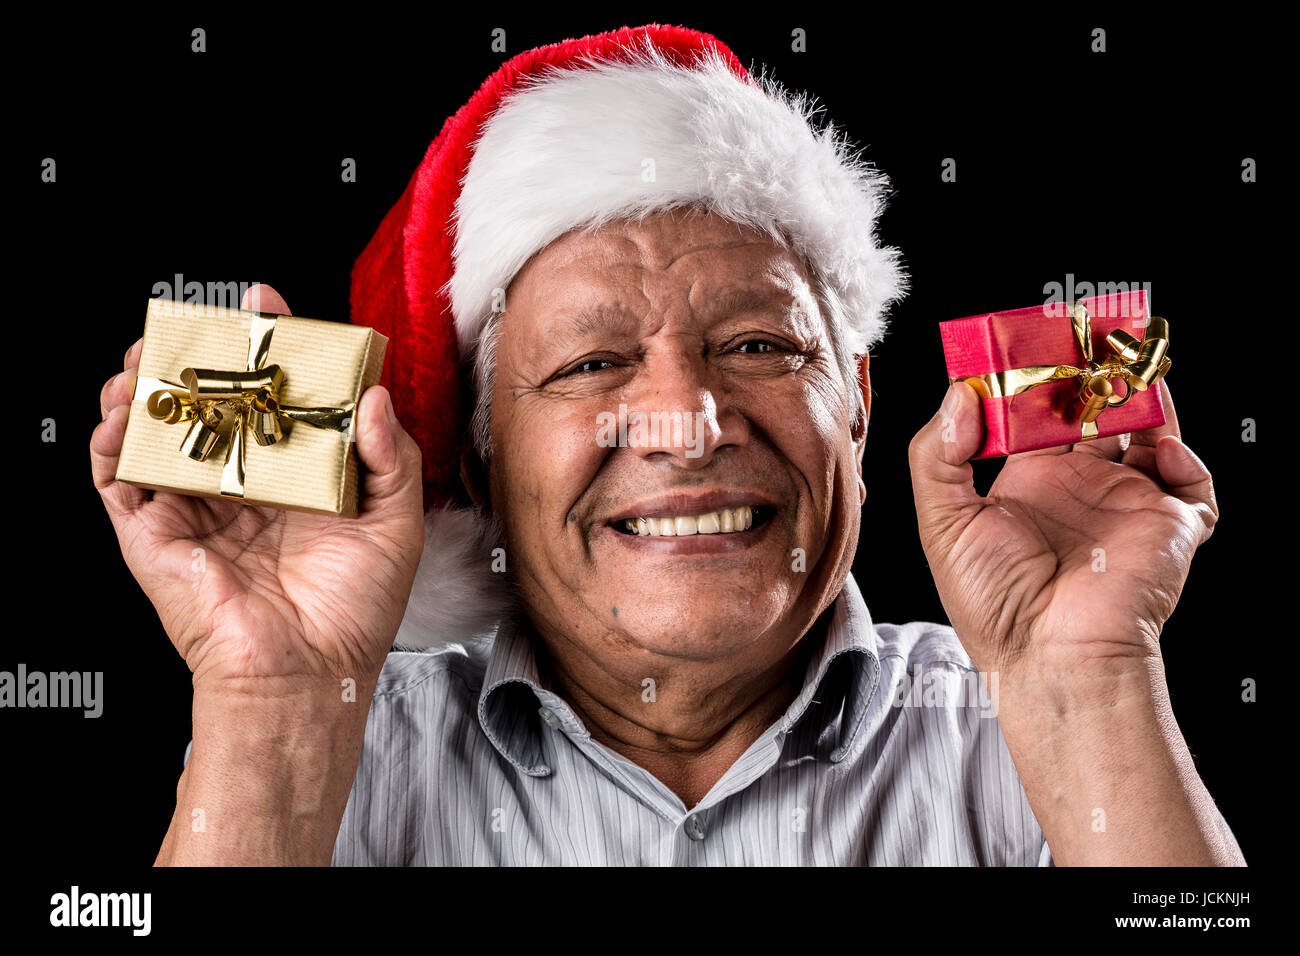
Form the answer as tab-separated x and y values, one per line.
1029	342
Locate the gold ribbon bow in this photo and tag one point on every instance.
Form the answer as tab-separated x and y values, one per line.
1139	363
224	404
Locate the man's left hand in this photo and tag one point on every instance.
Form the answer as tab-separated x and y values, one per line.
1059	581
1077	555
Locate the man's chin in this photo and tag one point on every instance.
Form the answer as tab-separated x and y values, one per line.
694	618
712	640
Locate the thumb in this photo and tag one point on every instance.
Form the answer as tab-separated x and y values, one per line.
392	483
943	483
1186	478
262	298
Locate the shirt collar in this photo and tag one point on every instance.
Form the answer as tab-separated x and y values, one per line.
839	680
841	676
508	705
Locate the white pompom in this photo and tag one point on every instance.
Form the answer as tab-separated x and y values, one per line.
457	595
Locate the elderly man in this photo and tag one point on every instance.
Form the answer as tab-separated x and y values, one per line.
686	672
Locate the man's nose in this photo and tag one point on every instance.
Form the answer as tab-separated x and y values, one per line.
679	409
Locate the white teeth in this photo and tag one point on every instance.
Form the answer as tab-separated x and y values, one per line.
726	521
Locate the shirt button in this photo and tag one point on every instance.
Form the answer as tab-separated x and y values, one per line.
548	715
694	828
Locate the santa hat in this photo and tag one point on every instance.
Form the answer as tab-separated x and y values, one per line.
577	134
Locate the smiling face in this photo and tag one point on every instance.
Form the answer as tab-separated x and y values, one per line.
714	334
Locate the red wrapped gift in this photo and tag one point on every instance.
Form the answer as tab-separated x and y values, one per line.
1062	372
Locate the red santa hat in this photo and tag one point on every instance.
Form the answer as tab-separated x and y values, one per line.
574	135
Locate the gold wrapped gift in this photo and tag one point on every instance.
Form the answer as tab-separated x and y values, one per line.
249	406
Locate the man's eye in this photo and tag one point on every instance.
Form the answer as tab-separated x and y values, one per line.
591	365
756	347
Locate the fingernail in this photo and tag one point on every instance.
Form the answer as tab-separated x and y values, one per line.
388	410
1190	455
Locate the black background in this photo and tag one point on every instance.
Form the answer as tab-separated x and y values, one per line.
225	166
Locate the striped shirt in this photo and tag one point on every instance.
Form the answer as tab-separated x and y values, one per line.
890	755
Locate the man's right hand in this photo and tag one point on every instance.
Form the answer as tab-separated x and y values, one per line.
264	601
273	612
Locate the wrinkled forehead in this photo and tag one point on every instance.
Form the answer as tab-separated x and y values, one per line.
699	254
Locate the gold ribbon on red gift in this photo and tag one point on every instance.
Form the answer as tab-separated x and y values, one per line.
222	405
1139	363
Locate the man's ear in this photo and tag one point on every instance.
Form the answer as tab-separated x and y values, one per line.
864	384
474	476
859	433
